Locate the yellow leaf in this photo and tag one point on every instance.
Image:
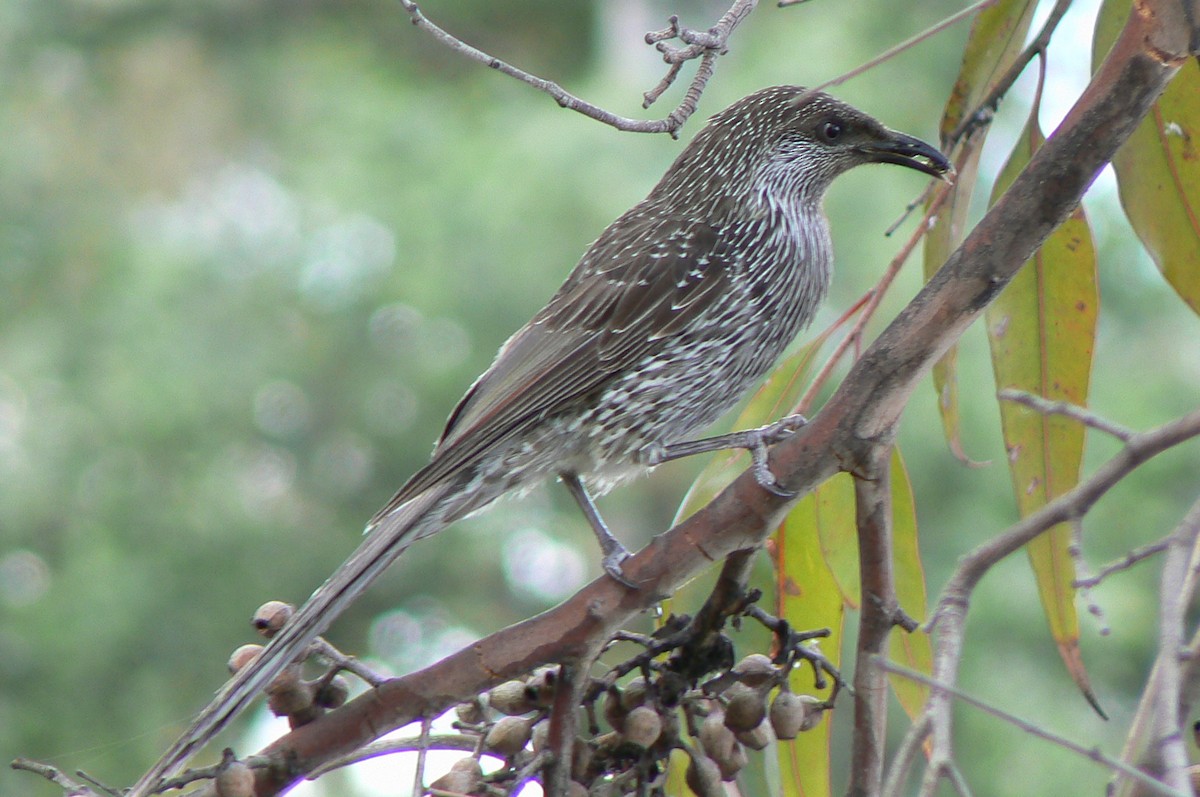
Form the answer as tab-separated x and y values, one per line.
1158	169
807	597
996	39
910	649
1041	330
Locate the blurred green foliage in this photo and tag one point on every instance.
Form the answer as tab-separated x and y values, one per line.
252	253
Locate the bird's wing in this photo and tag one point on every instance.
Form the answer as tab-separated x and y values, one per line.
622	302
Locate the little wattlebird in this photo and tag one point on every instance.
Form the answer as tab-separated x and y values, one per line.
674	312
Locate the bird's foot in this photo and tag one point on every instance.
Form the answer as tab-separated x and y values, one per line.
758	440
612	564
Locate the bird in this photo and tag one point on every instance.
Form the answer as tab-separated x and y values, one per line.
672	314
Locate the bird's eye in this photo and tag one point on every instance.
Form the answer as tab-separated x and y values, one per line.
830	131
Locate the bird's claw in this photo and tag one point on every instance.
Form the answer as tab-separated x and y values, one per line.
768	436
612	565
781	430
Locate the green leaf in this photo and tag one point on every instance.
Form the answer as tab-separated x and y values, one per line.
910	649
1042	330
809	597
996	39
1158	169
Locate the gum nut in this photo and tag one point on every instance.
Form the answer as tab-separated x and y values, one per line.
704	777
289	694
787	715
815	712
470	712
541	685
745	709
731	761
715	738
511	698
634	694
614	709
755	670
509	735
243	656
464	776
334	693
234	780
643	726
272	616
757	738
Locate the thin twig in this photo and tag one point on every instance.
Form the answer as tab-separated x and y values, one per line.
1090	753
908	43
1066	409
703	45
466	743
343	661
1154	742
54	775
1124	563
986	109
949	618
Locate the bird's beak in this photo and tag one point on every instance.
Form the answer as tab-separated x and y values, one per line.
904	150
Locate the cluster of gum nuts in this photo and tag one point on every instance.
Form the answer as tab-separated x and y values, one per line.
512	719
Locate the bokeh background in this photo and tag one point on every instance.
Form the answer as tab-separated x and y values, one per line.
251	253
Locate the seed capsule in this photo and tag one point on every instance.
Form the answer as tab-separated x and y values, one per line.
272	616
464	777
789	713
243	656
643	726
755	670
334	693
758	737
746	708
704	776
511	698
509	735
234	779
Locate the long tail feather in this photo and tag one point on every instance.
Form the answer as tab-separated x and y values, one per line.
391	535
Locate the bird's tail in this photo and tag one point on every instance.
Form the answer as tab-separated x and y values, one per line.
425	514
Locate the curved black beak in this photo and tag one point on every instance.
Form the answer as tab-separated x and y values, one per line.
905	150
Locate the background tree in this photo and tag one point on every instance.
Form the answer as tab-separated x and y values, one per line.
227	239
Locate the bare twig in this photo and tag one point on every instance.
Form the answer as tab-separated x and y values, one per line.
950	616
986	109
1074	503
1066	409
908	43
70	787
705	45
466	743
1155	740
343	661
1124	563
1090	753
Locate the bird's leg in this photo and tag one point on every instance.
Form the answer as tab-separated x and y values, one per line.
614	552
756	441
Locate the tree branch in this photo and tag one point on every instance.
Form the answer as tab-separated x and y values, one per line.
705	45
873	510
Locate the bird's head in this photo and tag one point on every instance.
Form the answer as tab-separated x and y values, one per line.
787	144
